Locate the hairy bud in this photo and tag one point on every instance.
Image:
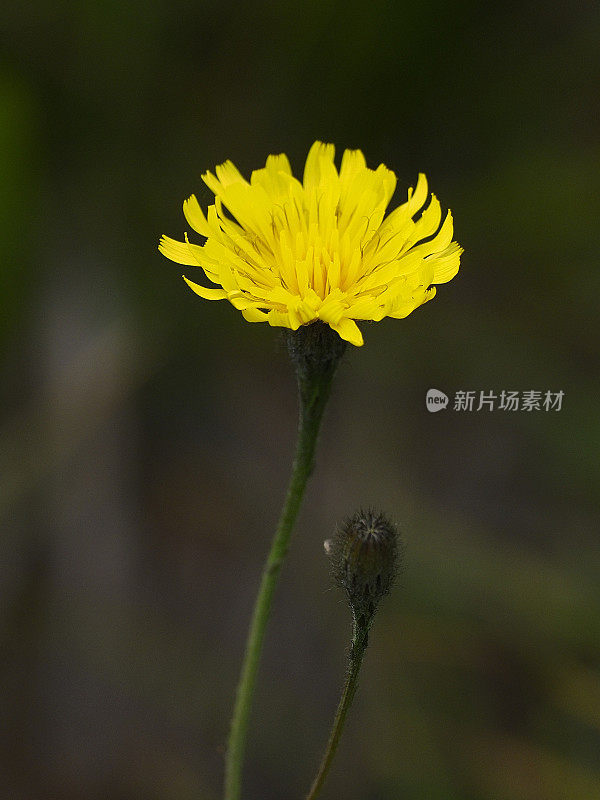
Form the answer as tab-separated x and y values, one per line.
364	561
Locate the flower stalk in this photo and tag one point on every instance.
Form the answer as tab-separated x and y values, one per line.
316	351
360	640
364	562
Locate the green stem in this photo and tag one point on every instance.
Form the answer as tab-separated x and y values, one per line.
314	392
360	640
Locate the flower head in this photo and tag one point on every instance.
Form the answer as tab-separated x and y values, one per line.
291	253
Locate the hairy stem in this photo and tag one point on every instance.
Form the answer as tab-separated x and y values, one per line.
314	392
360	640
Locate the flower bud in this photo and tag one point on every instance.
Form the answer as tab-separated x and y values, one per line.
364	561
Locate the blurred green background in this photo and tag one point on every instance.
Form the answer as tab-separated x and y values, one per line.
146	435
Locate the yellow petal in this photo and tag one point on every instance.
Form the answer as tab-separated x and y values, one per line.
254	315
278	163
446	263
207	294
278	319
228	173
349	330
180	252
368	308
195	216
402	309
428	224
444	236
388	182
244	302
319	156
353	161
275	178
212	182
417	199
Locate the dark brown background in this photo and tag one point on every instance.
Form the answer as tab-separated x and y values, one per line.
146	435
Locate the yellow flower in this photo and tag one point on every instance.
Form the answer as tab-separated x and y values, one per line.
290	253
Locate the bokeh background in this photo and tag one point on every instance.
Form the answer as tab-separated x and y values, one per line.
146	435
